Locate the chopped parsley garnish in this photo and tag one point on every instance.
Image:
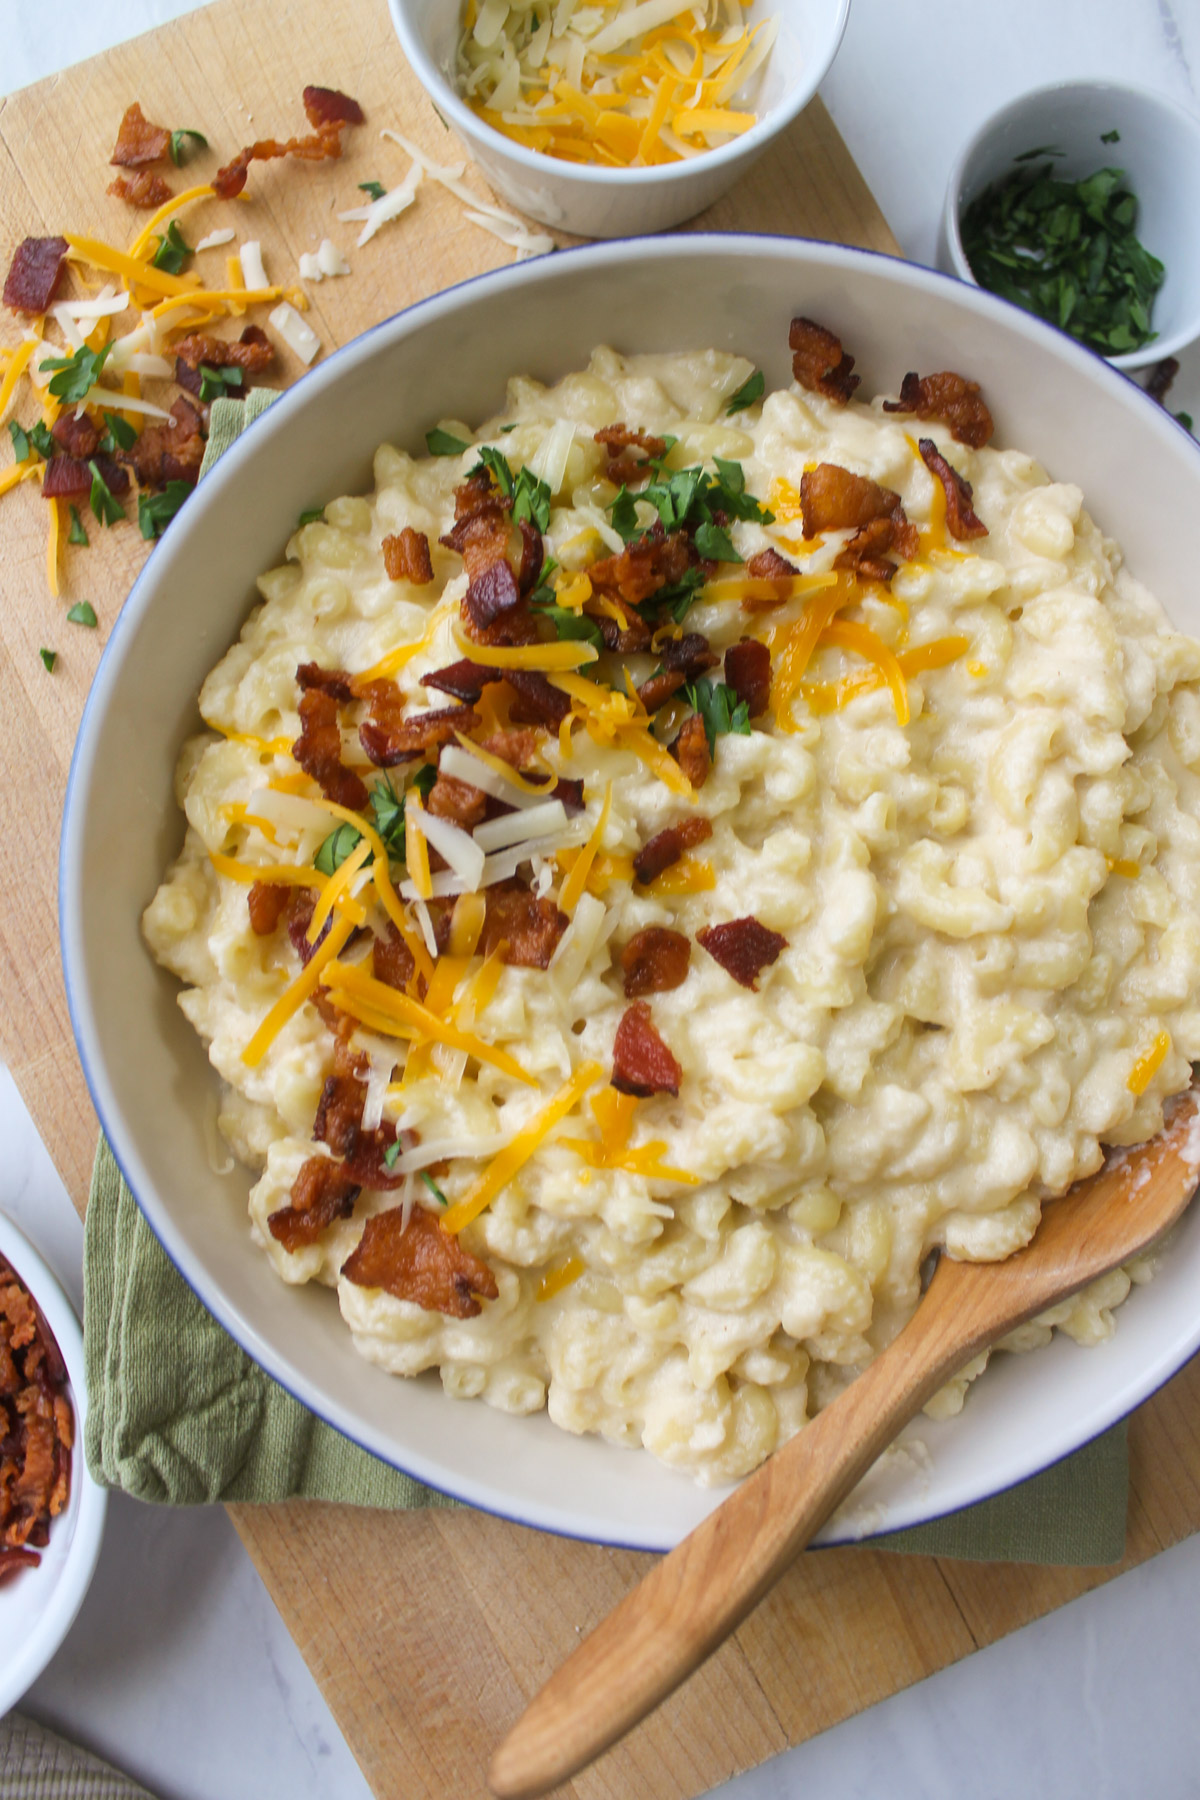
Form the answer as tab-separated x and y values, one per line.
1110	137
530	497
1185	419
20	441
374	190
216	383
311	515
75	374
120	434
750	391
505	429
181	142
336	849
387	816
43	441
716	544
77	535
173	250
690	497
1066	251
568	624
83	612
49	657
155	511
719	707
497	466
391	1154
443	443
106	508
678	596
433	1187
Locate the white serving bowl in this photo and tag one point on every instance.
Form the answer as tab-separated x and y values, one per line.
595	201
449	357
1159	149
38	1606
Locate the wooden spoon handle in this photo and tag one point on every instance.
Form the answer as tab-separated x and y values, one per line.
693	1598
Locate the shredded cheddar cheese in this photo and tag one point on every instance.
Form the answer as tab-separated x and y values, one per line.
1146	1067
300	990
529	1139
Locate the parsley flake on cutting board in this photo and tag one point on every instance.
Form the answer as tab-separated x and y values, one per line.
1067	251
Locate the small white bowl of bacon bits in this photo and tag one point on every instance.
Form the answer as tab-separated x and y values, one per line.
51	1511
618	120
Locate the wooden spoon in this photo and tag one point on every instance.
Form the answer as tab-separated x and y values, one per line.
690	1602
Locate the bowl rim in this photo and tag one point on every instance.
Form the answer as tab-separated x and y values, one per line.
1071	1434
1129	359
593	177
19	1671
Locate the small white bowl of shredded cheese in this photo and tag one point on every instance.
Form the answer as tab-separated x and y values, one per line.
618	120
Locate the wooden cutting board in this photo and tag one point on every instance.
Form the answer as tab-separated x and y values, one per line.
427	1631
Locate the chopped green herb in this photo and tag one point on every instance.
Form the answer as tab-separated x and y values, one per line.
155	511
76	535
433	1187
1038	150
83	612
623	513
43	441
215	383
713	542
180	142
311	515
1110	137
678	597
505	429
1185	419
75	374
568	624
391	1154
49	657
20	441
531	500
497	466
387	816
336	848
106	508
719	707
120	434
690	499
173	250
750	391
424	779
443	443
374	189
1066	251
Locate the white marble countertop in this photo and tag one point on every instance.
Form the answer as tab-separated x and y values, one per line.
178	1668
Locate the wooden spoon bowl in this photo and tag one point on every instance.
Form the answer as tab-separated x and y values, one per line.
696	1596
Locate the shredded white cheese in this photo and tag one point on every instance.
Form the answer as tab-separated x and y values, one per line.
295	332
254	272
216	238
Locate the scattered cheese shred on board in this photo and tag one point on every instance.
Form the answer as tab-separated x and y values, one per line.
296	334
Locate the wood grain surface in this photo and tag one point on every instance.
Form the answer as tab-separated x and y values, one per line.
429	1631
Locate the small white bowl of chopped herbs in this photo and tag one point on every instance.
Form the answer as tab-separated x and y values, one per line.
1078	202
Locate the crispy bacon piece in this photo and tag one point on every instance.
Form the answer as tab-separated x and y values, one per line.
421	1263
819	363
138	141
769	565
321	1193
640	570
665	848
301	906
329	681
960	516
1161	378
748	672
367	1165
406	557
537	702
691	654
326	141
492	592
35	273
459	801
466	680
145	188
743	947
389	738
657	690
267	902
77	435
318	750
339	1111
690	750
391	959
37	1427
865	553
949	397
67	478
629	638
533	555
171	452
655	960
327	106
253	351
517	748
570	793
530	927
834	499
642	1063
618	438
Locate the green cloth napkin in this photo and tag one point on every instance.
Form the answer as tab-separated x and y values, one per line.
178	1414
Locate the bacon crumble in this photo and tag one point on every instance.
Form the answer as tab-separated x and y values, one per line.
953	399
641	570
318	750
835	499
537	701
530	927
170	452
465	680
642	1063
77	434
690	750
819	363
666	847
406	557
748	673
35	274
743	947
37	1427
961	520
138	141
655	960
144	188
321	1194
329	112
421	1263
68	478
267	902
388	737
253	351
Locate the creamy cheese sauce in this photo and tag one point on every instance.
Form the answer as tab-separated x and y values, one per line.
992	917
